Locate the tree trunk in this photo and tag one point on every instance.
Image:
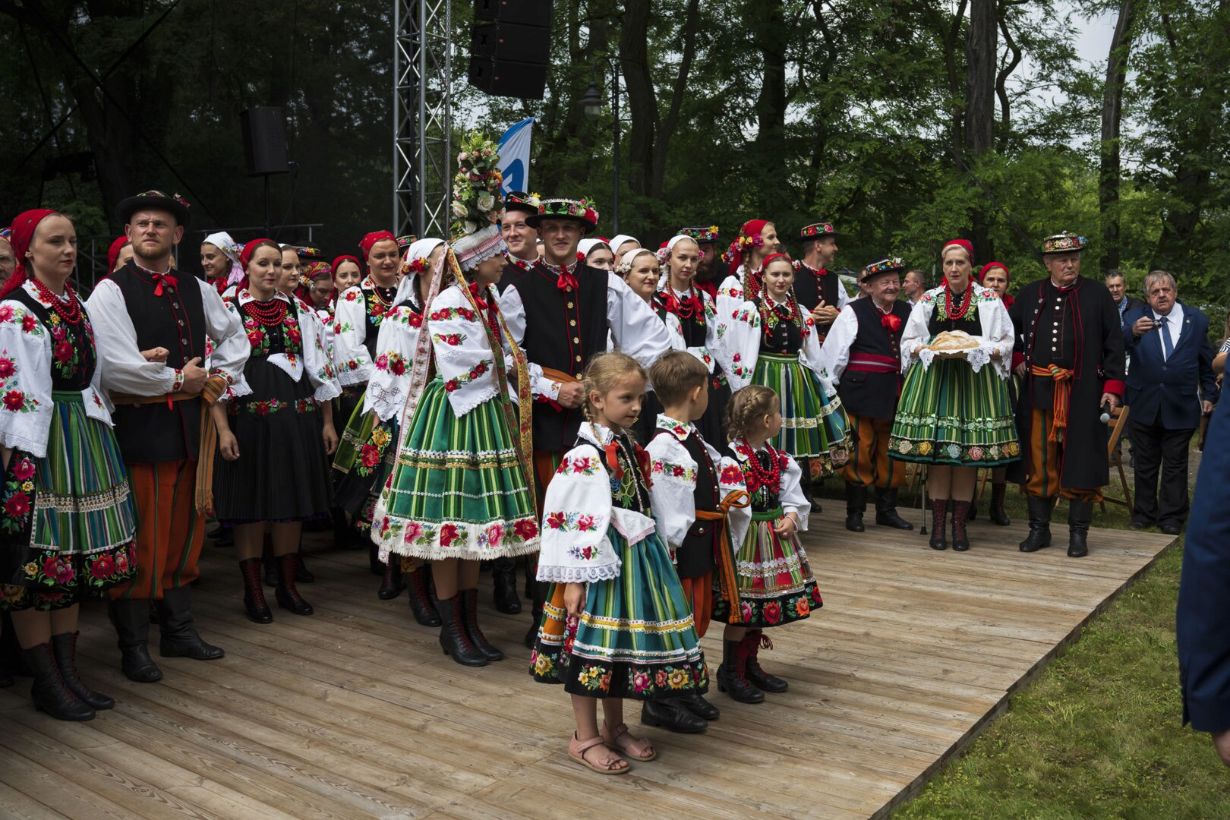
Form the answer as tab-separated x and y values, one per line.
980	105
1112	113
766	21
666	127
642	99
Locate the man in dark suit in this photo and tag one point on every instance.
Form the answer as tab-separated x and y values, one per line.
1203	622
1118	291
1169	385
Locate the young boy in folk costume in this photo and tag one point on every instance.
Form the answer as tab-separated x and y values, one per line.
770	342
461	488
617	625
773	578
690	511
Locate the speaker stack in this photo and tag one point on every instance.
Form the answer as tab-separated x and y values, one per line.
264	141
510	47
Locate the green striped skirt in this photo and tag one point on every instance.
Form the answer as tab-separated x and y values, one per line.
362	462
458	489
67	520
773	578
814	430
634	638
948	414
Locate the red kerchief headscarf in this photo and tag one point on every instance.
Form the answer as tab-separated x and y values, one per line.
749	237
245	256
113	253
982	272
346	258
366	243
22	234
960	243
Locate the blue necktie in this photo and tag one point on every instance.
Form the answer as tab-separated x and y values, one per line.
1167	346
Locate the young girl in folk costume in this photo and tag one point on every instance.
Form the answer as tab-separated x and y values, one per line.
272	443
617	624
67	520
691	320
954	413
769	341
773	578
460	490
365	454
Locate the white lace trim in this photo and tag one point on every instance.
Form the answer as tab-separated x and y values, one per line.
578	575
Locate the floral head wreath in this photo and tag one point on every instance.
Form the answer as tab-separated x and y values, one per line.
749	237
625	264
476	185
701	233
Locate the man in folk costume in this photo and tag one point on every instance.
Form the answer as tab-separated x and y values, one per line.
861	356
1068	329
817	289
154	326
515	228
562	312
708	271
522	241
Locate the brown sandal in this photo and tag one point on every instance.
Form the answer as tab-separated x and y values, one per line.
622	741
578	748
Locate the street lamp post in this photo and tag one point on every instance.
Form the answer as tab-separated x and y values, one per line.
591	101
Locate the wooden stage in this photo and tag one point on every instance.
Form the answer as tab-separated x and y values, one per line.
355	712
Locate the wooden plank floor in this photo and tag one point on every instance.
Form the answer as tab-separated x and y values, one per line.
355	713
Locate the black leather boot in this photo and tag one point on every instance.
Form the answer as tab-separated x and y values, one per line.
960	513
732	674
390	582
454	639
254	604
50	691
695	703
504	585
886	511
131	620
469	609
1039	524
179	636
997	513
670	714
287	593
856	505
1080	514
758	677
419	586
939	516
64	647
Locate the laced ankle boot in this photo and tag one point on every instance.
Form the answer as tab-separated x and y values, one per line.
254	604
287	593
939	516
469	609
758	677
960	539
64	647
419	592
454	639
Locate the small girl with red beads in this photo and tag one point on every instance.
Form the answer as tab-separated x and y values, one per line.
772	575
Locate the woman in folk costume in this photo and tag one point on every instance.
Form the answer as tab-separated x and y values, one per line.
617	624
621	245
461	491
273	443
365	454
691	320
67	519
595	252
954	413
769	341
642	271
772	576
220	261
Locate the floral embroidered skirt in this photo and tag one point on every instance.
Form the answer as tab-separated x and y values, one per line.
815	429
361	464
282	472
458	487
773	577
634	638
948	414
67	520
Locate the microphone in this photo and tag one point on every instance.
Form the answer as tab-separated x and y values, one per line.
1105	417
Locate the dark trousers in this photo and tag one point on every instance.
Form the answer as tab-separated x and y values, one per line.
1153	446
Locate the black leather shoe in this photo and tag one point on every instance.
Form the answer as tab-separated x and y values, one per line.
469	612
732	674
179	636
755	674
504	586
1170	528
695	703
1080	514
64	647
856	504
1138	524
670	715
854	522
1039	535
886	511
131	620
391	583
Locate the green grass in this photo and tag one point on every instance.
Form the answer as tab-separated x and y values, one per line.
1097	733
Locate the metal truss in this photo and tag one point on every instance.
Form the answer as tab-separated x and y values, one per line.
422	117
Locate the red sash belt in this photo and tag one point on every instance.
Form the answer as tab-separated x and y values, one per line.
873	363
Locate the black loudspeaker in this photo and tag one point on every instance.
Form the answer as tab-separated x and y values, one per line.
264	140
510	47
525	12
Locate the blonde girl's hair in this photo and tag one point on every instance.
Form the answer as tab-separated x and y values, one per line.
747	406
603	371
